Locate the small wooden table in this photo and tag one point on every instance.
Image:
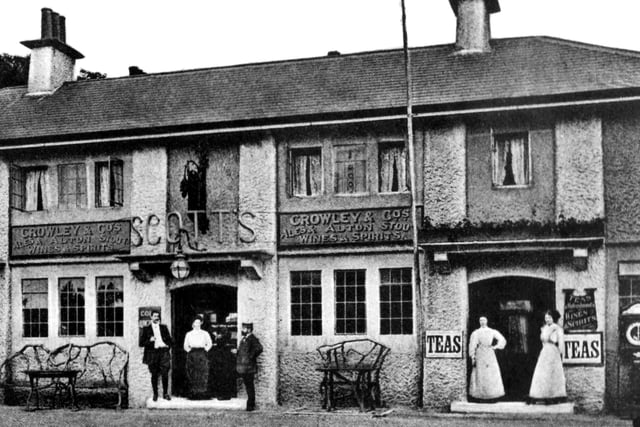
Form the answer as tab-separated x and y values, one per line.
357	377
57	382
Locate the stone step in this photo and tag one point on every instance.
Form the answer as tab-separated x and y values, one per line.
511	408
235	404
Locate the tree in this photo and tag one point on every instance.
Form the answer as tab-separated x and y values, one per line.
14	70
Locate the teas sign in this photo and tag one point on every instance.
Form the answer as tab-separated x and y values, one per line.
443	344
580	311
583	349
71	239
345	227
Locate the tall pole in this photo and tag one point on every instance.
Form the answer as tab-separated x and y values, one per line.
417	290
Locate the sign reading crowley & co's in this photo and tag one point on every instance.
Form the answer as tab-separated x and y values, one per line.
345	227
71	239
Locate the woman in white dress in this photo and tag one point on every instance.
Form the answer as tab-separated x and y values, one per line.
486	380
197	343
548	382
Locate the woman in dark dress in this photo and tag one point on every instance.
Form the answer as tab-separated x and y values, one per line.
223	374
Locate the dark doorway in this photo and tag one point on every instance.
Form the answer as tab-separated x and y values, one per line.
186	304
514	306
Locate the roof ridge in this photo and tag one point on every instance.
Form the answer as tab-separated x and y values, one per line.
590	46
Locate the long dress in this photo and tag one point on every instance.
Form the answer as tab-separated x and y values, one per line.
222	380
486	380
196	343
548	378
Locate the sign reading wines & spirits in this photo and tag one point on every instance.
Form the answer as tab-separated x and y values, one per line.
580	311
71	239
386	225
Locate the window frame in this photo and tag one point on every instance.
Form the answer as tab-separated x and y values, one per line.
336	147
305	150
503	133
83	308
390	301
312	303
81	183
30	323
383	143
18	187
345	302
105	323
114	200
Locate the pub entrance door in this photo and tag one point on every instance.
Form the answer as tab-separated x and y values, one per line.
514	306
204	300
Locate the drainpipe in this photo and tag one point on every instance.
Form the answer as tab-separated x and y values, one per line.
414	219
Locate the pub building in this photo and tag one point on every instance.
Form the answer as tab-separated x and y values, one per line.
279	194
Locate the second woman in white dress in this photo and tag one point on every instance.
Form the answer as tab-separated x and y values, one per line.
197	343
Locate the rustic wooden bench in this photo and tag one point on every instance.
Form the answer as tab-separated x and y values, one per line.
352	370
101	368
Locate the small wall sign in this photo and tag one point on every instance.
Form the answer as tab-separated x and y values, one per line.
443	344
580	311
144	319
583	349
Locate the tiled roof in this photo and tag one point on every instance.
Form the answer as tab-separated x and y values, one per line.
335	85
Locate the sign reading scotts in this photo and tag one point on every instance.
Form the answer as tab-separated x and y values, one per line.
345	227
71	239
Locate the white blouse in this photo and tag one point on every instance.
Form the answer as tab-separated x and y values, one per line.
197	338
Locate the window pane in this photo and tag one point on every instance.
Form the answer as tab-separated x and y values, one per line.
350	169
72	185
350	301
35	307
109	306
71	306
396	300
306	296
510	159
306	172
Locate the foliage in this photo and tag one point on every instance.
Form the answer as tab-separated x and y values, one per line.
465	229
91	75
14	70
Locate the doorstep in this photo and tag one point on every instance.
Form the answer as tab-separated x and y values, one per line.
235	404
510	408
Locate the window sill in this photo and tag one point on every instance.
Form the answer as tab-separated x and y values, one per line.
391	193
352	194
511	187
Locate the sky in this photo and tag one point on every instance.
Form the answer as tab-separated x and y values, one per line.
164	35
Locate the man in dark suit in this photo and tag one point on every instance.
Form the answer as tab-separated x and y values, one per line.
248	351
157	343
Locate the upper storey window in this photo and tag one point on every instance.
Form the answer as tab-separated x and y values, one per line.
72	185
350	169
109	183
29	188
392	165
306	172
511	159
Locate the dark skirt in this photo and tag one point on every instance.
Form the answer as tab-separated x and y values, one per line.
222	373
197	374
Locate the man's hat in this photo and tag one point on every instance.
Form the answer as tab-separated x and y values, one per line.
247	325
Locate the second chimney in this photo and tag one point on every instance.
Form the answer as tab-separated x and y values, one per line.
473	32
52	61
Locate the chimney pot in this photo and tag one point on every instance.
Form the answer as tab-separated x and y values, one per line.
333	53
47	27
473	32
135	71
55	25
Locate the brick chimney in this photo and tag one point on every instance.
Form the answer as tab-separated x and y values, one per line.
52	60
473	32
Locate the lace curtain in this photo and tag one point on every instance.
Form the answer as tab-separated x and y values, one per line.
393	169
35	186
511	160
103	176
307	174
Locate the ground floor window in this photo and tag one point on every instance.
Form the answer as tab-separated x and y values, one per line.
628	291
306	303
109	306
35	311
396	301
72	301
351	315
